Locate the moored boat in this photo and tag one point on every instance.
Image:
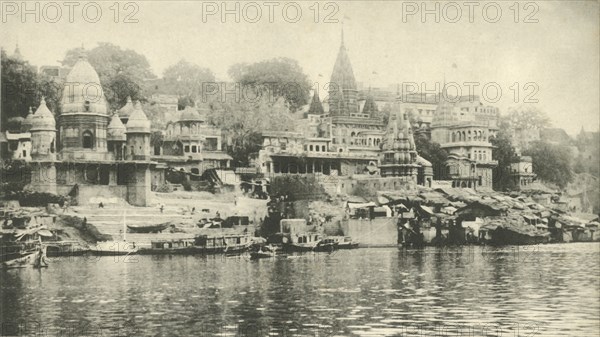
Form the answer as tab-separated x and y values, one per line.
302	242
22	248
157	228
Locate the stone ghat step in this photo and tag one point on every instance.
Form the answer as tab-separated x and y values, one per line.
149	218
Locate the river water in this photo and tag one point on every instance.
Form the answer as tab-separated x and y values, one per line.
546	290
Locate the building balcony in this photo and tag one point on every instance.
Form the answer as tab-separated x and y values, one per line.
472	143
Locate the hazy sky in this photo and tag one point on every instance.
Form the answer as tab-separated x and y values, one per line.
387	44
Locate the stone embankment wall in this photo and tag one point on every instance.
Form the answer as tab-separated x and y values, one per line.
375	232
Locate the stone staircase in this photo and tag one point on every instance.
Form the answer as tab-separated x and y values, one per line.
109	220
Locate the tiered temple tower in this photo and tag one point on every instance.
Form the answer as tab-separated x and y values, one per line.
399	154
343	95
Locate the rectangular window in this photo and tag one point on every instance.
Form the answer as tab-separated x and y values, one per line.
186	149
194	149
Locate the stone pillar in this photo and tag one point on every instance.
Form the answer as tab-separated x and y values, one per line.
43	177
112	175
138	188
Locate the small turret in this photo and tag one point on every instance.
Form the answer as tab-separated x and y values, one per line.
43	133
138	135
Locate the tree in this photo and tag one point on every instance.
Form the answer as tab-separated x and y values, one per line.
244	121
551	163
434	153
504	153
279	77
527	117
14	175
122	72
23	88
186	80
294	188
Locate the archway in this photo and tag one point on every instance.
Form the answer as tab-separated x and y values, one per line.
88	140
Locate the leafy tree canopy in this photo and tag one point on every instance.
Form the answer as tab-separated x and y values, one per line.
186	79
282	77
433	152
23	87
551	163
504	153
527	117
244	121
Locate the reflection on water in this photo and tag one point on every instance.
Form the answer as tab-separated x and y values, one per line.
549	290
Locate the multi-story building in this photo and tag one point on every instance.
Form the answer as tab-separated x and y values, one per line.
521	171
464	128
189	143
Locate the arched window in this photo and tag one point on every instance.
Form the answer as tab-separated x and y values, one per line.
310	147
52	146
323	148
88	140
86	106
453	137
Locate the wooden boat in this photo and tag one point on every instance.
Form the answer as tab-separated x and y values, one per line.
20	249
231	244
302	242
148	228
262	255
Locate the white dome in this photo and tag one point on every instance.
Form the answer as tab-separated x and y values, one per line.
43	119
138	122
116	129
127	109
83	91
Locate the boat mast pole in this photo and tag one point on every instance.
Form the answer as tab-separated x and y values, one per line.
124	226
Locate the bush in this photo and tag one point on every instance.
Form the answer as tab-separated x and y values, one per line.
293	187
36	199
164	188
14	175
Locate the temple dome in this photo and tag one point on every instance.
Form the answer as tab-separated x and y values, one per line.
83	91
127	109
43	119
138	122
116	130
190	114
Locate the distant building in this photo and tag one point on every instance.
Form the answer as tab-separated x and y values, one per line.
464	128
168	102
521	171
555	136
190	146
56	72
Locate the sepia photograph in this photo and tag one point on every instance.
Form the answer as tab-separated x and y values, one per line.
346	168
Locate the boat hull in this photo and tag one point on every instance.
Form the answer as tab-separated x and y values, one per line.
113	249
261	255
294	247
147	229
26	260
